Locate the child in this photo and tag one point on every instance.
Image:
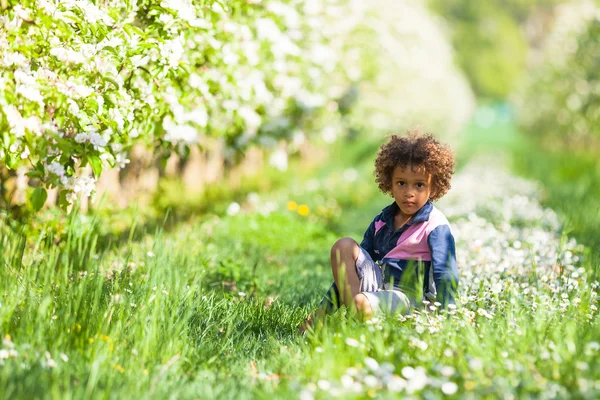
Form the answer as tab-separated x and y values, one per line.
409	239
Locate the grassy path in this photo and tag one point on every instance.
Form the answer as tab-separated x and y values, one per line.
210	309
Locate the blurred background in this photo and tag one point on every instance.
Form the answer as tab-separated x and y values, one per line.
511	79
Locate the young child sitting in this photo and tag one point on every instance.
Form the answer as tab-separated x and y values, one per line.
408	244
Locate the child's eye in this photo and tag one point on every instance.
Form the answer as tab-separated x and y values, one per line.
420	185
401	183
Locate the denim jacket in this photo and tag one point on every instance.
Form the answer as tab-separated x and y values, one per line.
425	241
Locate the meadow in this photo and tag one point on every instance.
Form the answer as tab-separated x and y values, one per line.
209	306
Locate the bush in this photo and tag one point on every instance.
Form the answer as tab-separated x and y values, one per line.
559	105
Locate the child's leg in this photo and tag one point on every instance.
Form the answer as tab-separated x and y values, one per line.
344	254
363	306
354	267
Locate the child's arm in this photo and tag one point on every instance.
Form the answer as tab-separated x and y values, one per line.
443	263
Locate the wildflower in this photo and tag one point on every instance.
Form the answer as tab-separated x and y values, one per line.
371	381
346	381
418	380
591	348
324	385
449	388
475	364
292	205
306	395
372	364
233	209
408	372
396	384
7	342
352	342
303	210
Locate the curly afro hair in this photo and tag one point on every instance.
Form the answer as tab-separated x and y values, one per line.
418	150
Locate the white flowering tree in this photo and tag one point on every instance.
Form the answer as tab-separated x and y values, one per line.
560	102
404	63
81	83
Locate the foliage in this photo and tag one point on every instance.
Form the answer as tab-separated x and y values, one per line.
490	42
411	79
81	83
559	105
211	308
571	186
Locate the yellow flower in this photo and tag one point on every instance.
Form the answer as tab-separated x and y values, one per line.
303	210
91	340
119	368
292	205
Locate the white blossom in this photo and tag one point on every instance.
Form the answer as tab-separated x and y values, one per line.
233	209
56	168
179	133
68	55
449	388
279	160
121	160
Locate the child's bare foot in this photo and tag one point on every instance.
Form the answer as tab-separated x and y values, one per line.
308	323
312	320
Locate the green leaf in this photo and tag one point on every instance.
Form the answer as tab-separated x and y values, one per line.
135	29
38	198
62	200
96	164
35	174
111	80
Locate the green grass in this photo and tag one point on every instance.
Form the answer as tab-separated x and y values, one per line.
571	183
183	313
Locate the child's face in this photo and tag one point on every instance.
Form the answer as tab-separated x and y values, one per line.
411	187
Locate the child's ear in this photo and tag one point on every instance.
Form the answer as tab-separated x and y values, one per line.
433	193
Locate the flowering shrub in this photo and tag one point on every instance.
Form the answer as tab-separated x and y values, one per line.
560	101
81	83
405	62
